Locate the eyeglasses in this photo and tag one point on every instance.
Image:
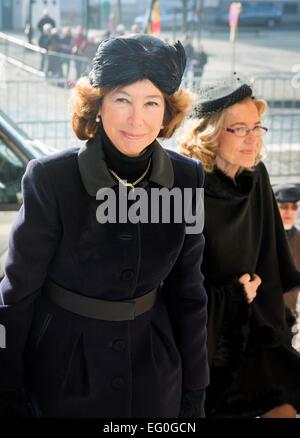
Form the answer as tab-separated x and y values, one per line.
258	131
288	206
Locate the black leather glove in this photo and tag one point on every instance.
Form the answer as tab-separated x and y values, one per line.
192	404
13	404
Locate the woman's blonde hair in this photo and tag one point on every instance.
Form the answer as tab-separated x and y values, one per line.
86	101
201	139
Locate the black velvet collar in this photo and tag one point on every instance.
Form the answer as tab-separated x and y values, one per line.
95	174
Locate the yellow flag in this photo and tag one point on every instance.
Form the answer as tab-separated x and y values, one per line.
155	18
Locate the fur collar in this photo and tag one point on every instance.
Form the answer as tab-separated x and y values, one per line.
219	185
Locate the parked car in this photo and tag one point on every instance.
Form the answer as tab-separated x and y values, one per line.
256	13
16	150
171	17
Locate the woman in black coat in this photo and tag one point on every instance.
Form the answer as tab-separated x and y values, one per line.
247	267
103	316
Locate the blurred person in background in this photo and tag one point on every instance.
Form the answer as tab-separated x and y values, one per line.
78	45
46	19
135	28
66	48
54	60
44	41
189	50
288	197
90	48
200	59
120	30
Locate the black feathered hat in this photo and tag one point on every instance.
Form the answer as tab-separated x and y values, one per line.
127	59
287	193
217	97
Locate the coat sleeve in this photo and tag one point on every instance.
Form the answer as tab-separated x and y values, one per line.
32	244
186	301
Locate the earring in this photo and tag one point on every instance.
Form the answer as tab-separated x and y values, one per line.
98	118
162	127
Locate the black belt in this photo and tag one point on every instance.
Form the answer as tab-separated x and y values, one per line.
99	309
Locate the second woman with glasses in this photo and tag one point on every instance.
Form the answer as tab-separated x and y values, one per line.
254	371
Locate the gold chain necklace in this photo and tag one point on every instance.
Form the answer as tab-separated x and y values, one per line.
134	183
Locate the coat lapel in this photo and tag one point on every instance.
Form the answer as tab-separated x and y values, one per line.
95	174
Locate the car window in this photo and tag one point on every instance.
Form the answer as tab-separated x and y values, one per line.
11	172
258	7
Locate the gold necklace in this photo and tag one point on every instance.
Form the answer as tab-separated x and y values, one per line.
134	183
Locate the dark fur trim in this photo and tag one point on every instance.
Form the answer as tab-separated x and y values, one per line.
249	405
230	345
268	337
236	326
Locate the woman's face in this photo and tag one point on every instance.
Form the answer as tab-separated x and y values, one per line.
239	151
132	116
288	212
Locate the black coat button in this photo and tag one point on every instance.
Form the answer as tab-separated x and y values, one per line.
127	275
119	345
117	383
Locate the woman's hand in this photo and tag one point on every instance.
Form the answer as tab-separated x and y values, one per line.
250	285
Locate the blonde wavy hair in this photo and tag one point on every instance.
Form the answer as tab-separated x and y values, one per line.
86	100
201	137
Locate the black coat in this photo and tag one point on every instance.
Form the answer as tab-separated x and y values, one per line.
291	297
80	367
253	366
